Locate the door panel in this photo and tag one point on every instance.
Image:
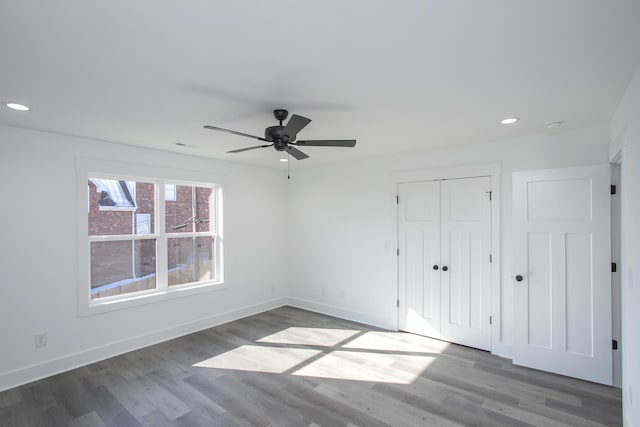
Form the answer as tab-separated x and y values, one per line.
419	245
466	246
538	309
559	200
579	286
561	226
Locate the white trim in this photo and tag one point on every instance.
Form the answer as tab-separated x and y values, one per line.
616	146
45	369
117	208
150	296
451	172
120	237
494	171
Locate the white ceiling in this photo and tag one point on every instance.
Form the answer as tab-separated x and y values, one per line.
397	76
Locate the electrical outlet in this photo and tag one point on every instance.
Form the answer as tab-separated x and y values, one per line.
322	291
273	287
341	294
41	339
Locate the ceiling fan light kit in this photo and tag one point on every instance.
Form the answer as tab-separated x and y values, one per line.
283	138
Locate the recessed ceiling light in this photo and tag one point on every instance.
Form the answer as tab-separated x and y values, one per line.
15	106
284	159
509	120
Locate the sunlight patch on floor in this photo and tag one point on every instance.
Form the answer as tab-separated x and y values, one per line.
275	360
366	366
342	354
310	336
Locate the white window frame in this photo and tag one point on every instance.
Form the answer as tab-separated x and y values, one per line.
213	225
97	168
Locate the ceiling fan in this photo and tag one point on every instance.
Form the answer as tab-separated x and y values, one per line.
283	138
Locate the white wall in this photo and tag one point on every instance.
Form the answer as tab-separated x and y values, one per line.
342	222
625	133
38	266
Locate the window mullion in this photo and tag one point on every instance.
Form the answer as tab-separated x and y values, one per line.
161	246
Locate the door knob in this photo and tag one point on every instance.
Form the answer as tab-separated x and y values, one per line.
435	267
518	278
445	268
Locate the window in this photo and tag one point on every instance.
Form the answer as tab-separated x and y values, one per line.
143	223
170	192
114	194
190	238
149	237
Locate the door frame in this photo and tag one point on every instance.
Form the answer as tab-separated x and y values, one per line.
616	256
492	170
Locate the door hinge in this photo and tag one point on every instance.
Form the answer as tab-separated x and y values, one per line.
614	344
490	258
397	200
614	267
398	252
398	303
491	320
614	189
489	193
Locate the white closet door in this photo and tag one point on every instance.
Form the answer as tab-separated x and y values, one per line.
419	246
466	269
562	286
444	230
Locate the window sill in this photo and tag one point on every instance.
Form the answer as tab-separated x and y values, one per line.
108	304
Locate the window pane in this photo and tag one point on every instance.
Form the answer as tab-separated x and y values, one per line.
203	202
114	204
190	210
190	260
122	267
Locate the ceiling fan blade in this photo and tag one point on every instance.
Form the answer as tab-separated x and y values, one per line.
296	124
234	132
328	143
299	155
249	148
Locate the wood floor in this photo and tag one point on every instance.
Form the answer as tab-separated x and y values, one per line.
290	367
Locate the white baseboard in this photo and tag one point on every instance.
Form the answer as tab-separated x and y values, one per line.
340	312
65	363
